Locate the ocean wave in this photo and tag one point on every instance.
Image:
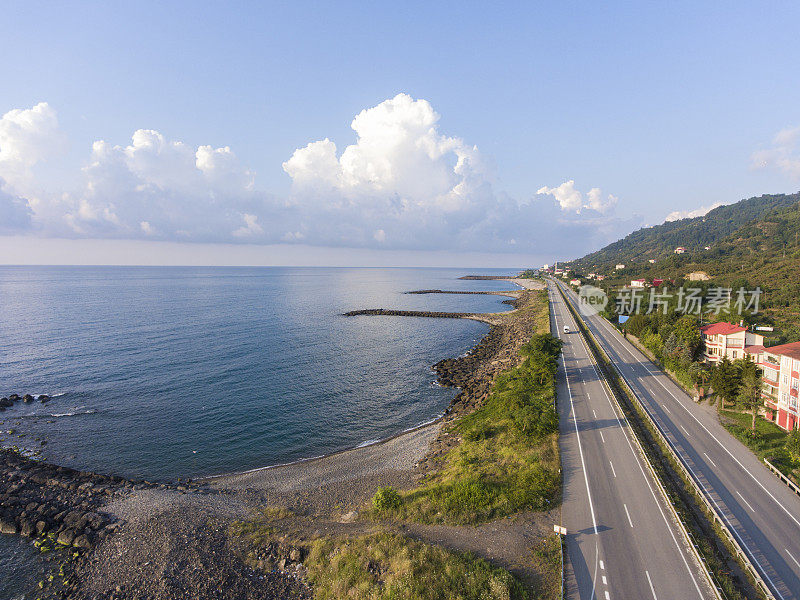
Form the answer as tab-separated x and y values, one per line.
367	443
74	413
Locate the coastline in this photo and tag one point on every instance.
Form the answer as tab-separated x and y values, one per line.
323	492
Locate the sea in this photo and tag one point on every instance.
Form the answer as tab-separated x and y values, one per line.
180	372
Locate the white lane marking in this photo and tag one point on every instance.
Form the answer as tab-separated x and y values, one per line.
647	481
594	413
745	501
601	436
650	581
733	529
627	513
612	468
664	406
792	557
708	458
602	565
589	396
605	581
607	596
684	431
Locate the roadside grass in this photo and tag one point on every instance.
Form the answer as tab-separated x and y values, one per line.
377	566
507	459
769	441
390	566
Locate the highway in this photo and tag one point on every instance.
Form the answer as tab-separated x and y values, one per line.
762	512
623	540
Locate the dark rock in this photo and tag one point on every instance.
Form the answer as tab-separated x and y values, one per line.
14	397
28	529
82	541
66	537
27	398
41	527
44	398
6	403
7	526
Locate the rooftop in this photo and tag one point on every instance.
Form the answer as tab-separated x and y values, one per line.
791	350
722	329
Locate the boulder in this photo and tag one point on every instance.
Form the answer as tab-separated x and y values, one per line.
82	541
14	398
66	537
7	526
27	398
6	403
44	398
28	529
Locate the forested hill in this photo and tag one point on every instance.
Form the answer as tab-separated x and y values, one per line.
694	234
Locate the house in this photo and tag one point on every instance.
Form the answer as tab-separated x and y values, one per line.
591	275
652	261
780	368
657	282
619	267
575	282
706	247
697	276
600	277
680	250
727	339
638	283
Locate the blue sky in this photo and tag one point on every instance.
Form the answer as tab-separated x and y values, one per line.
663	107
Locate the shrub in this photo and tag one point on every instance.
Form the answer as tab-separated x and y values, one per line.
386	498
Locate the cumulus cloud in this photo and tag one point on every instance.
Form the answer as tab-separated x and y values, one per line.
572	200
27	137
403	183
677	215
783	154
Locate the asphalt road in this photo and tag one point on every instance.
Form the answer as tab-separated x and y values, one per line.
762	511
623	540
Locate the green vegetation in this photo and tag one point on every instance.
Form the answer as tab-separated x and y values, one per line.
508	458
529	274
394	567
386	498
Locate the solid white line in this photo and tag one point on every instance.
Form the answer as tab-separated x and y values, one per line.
745	501
650	581
792	557
601	436
612	468
708	458
627	513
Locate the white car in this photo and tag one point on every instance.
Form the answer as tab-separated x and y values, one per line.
566	329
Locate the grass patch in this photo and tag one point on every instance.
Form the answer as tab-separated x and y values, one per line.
769	441
508	459
389	566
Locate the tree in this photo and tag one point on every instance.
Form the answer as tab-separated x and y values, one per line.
726	380
793	445
749	395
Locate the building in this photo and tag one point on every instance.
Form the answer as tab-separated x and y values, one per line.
619	267
575	282
638	283
780	367
697	276
652	261
600	277
680	250
727	339
657	282
706	247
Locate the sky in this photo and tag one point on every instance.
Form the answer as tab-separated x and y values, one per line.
414	133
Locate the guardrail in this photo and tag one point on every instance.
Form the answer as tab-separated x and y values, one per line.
687	474
782	477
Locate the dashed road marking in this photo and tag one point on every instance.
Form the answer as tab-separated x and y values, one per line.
627	513
612	468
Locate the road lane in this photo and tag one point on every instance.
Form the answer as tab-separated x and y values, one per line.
763	513
623	540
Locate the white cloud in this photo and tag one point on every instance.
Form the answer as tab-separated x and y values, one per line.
784	154
27	136
571	199
677	215
250	227
402	184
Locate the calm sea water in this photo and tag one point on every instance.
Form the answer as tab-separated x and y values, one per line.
174	372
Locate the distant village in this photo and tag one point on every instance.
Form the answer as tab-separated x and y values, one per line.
779	365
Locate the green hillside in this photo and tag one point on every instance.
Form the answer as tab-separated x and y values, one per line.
752	243
694	234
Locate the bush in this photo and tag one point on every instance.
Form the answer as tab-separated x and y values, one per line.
386	498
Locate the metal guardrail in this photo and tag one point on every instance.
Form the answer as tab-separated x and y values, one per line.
676	456
792	485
